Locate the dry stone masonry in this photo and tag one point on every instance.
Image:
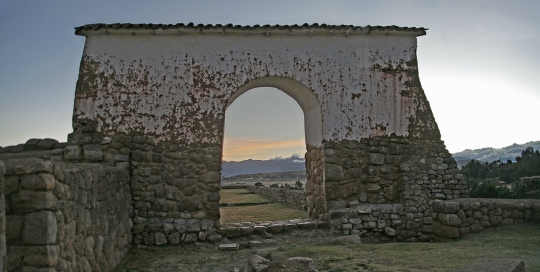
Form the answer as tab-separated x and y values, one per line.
143	164
453	219
68	217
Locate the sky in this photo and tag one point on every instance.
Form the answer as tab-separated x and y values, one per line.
479	65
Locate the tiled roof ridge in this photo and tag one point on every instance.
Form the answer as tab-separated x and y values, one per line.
130	26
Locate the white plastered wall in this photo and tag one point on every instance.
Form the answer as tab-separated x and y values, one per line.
169	85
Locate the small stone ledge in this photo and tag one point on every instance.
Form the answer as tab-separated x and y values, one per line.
232	230
455	218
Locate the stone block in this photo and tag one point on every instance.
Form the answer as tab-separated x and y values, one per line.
212	177
92	153
143	206
34	256
373	188
376	158
46	144
160	238
450	219
72	153
450	207
277	228
449	232
14	227
474	206
28	166
26	201
333	172
141	156
390	231
227	247
190	238
122	165
174	238
31	144
121	158
370	225
40	228
213	238
43	181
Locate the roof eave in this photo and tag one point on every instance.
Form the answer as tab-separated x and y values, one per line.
290	30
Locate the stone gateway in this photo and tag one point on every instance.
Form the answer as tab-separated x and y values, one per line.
152	99
143	164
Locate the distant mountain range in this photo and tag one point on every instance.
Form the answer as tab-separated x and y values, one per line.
297	163
292	163
489	154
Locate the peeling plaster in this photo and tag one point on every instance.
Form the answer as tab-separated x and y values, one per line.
177	88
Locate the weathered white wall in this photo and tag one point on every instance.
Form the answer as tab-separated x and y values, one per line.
173	86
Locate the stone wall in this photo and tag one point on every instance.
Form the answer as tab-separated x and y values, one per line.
315	186
32	145
389	170
453	219
172	184
382	222
176	192
3	248
408	171
66	216
281	195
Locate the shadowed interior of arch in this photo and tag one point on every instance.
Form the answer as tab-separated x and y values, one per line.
264	128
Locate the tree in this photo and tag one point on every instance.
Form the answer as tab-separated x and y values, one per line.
480	177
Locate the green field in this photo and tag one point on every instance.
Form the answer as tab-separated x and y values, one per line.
240	196
260	213
241	205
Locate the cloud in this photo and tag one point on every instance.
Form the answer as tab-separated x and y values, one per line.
241	148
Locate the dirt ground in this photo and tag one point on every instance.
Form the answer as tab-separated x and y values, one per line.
509	242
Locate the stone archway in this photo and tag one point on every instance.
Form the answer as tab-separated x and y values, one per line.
310	105
152	99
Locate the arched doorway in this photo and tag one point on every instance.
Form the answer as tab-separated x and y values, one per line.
263	170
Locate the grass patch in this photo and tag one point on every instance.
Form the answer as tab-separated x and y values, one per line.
240	196
260	213
501	243
522	242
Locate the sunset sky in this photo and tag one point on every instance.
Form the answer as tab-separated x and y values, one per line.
479	65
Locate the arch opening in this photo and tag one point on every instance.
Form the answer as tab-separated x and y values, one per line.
273	147
306	99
